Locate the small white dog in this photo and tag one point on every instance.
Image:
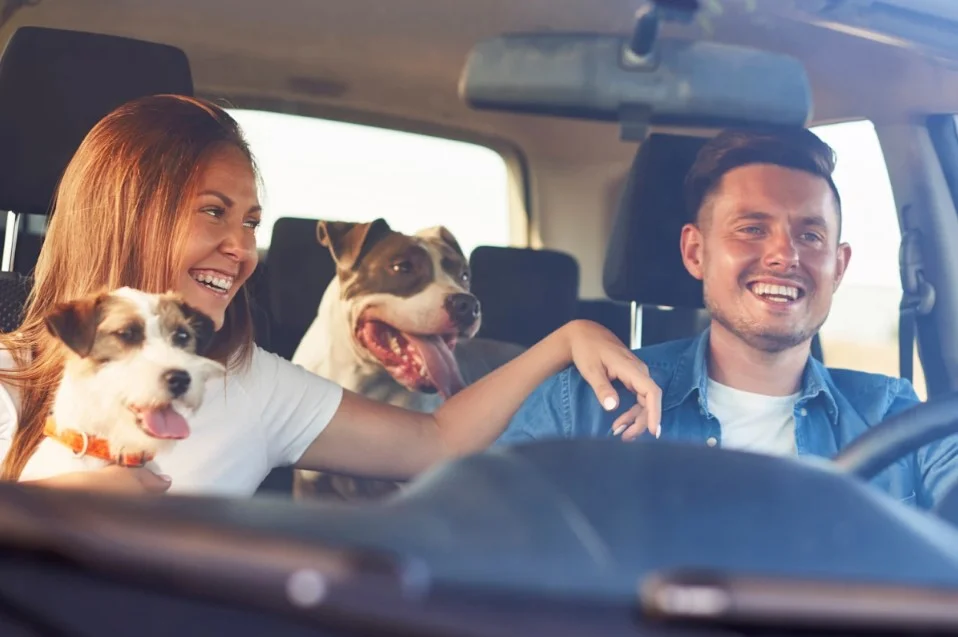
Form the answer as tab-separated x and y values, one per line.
134	373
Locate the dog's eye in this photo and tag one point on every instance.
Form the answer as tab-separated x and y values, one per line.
127	335
464	277
403	267
181	338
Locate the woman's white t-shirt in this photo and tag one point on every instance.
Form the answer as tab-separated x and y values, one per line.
250	422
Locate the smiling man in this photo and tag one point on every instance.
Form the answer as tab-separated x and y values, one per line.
766	243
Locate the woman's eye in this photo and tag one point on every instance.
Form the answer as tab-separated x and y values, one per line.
253	224
213	211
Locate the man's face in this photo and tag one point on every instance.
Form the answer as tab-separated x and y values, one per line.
766	249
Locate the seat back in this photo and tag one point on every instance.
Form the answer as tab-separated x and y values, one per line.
298	272
613	315
54	86
14	290
525	294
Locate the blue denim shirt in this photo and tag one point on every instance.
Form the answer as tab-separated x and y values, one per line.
835	406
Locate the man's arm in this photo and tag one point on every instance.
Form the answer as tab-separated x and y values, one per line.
563	407
936	464
543	415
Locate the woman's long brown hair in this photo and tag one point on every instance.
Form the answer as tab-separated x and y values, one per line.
122	202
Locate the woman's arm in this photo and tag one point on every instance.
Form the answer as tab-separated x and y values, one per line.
110	479
374	439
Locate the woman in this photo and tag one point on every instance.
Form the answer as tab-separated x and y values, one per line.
162	194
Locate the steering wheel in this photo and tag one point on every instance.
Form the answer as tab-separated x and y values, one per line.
898	436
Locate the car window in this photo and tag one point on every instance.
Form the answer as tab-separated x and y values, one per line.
862	330
321	169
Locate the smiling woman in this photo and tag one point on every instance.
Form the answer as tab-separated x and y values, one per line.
220	253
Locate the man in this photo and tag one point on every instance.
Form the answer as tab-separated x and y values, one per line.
765	242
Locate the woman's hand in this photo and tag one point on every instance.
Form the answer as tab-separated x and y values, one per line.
601	358
111	479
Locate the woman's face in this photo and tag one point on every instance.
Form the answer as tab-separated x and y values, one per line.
220	251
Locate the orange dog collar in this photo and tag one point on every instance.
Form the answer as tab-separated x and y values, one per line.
83	444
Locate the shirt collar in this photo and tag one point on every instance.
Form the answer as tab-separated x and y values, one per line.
691	375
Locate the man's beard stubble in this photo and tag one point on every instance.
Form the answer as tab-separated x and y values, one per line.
756	335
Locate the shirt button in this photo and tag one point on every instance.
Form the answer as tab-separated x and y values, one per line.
803	411
712	441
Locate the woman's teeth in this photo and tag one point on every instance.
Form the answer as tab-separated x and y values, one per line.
214	282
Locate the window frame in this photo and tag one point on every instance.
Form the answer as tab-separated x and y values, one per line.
520	204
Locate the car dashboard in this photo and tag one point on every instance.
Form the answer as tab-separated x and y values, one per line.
569	536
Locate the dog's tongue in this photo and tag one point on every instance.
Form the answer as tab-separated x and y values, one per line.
440	363
165	423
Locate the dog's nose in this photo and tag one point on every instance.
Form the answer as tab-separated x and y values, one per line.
462	308
177	381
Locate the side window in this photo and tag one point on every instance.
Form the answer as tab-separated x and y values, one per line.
862	329
320	169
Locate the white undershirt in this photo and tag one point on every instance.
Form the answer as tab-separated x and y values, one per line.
254	421
754	422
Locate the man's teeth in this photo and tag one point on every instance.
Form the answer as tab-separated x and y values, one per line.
218	282
767	289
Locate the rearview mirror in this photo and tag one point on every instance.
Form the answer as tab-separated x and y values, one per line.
598	77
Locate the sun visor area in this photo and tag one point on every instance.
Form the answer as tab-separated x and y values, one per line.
599	77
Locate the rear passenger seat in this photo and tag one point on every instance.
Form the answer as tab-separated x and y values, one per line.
525	294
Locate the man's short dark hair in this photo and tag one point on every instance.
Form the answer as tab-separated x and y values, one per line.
796	148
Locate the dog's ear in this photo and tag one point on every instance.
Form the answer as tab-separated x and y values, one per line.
203	327
348	242
74	323
442	233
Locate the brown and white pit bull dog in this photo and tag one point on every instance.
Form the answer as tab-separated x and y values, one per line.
388	327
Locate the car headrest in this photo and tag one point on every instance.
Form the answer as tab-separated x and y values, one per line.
299	271
643	262
55	86
525	294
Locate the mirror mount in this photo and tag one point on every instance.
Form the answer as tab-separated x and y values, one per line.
650	15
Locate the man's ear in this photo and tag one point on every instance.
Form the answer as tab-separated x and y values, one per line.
74	323
692	246
442	233
348	242
203	327
842	257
